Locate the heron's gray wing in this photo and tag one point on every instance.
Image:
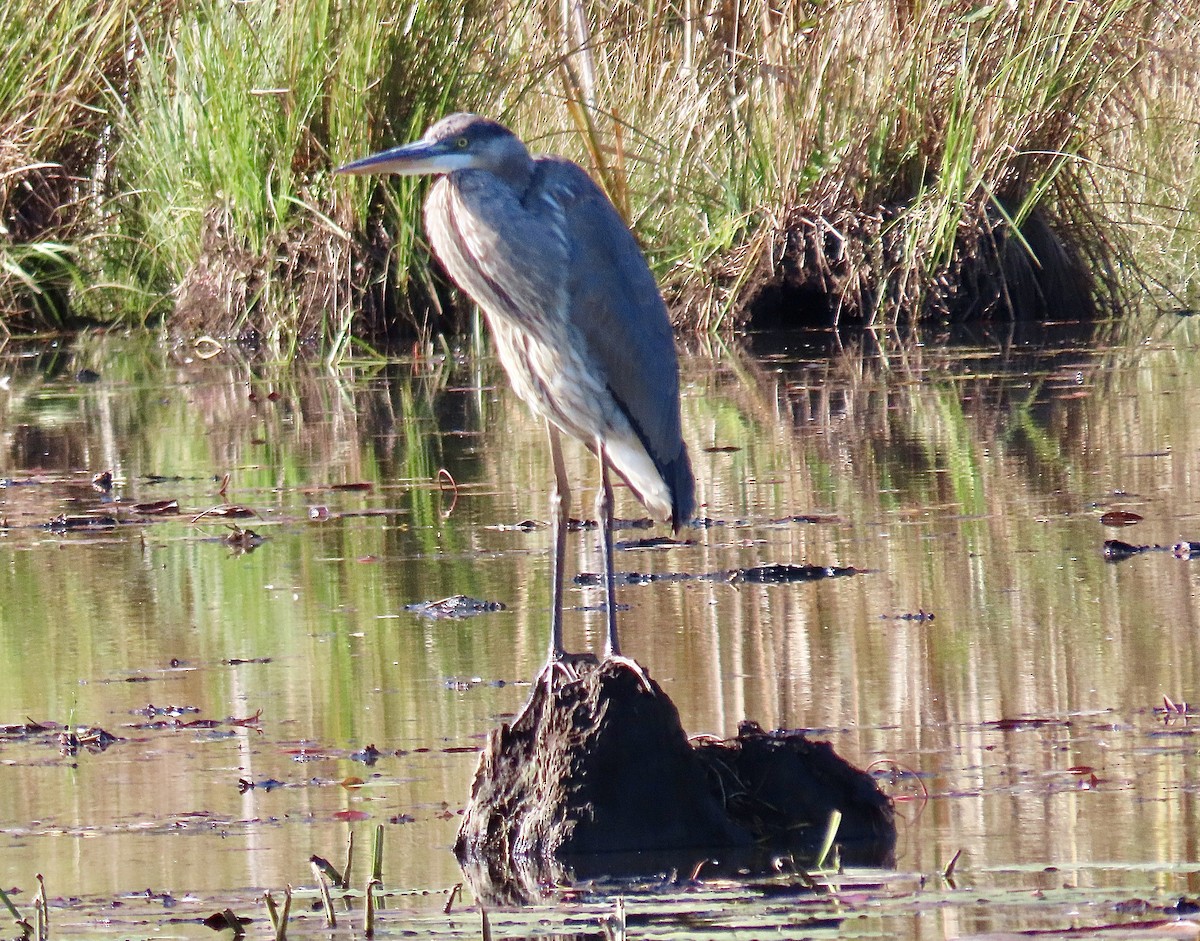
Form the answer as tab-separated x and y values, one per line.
614	302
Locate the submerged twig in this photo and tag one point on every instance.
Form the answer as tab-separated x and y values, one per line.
272	911
444	478
22	923
948	872
831	831
377	855
321	864
349	861
42	910
281	928
323	887
614	924
279	920
453	896
369	919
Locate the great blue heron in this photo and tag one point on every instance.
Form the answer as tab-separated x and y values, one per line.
577	317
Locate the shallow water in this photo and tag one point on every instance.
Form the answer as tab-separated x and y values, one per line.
986	652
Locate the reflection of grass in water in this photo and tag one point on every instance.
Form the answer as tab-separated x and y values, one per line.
1028	617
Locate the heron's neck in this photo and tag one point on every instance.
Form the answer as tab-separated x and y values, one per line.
515	171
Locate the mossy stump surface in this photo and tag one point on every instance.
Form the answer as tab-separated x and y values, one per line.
597	776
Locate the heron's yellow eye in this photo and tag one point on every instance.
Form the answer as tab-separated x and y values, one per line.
461	143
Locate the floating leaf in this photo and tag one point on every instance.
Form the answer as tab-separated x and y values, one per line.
65	523
157	508
351	815
219	921
350	781
1120	518
456	606
226	511
781	574
1116	551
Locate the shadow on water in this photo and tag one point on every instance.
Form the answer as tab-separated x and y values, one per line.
999	679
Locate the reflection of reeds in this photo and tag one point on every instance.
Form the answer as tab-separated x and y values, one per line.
962	479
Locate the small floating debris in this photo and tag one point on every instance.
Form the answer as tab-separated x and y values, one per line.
642	522
454	607
64	523
1173	710
1117	551
368	756
595	579
243	540
783	574
232	511
157	508
162	479
920	616
268	784
1120	518
461	684
806	518
219	921
653	542
151	711
777	574
92	739
525	526
1022	723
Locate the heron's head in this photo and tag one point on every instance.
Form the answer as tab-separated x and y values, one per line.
457	142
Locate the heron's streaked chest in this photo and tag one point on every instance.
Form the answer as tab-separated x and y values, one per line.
512	256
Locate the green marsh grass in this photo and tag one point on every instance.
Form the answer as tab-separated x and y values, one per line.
874	161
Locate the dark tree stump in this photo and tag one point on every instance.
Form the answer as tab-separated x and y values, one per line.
597	776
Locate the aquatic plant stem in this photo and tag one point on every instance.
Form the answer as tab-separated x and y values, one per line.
326	898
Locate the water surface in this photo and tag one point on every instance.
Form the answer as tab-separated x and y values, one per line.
987	654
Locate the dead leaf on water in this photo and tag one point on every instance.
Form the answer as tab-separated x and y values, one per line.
157	508
219	921
64	523
231	511
1120	518
455	607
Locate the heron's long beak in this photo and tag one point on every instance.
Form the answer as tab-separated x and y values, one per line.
413	159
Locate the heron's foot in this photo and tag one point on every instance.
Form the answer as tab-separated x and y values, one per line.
564	663
634	667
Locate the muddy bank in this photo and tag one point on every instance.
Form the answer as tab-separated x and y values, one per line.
596	777
844	266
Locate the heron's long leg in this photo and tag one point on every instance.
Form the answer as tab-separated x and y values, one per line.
604	508
560	504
